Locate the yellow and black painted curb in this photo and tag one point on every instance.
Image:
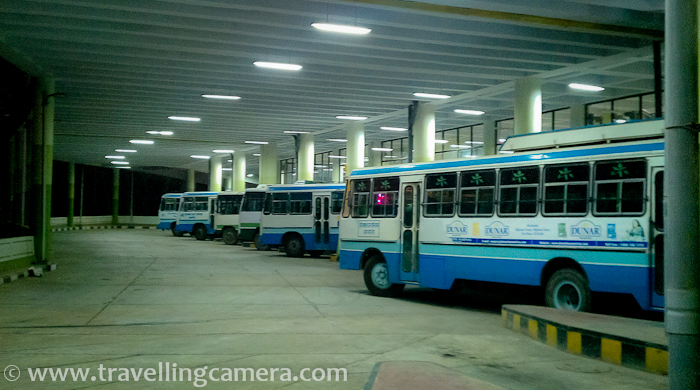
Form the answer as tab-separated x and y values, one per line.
636	354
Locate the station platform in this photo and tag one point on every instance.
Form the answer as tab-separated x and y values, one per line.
628	342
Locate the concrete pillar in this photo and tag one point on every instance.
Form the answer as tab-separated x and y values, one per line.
269	166
356	146
490	137
578	115
239	172
528	105
71	194
42	164
375	157
191	180
215	165
424	133
115	197
305	158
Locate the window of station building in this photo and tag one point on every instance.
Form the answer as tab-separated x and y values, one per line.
566	189
360	197
228	204
280	202
399	152
336	201
505	128
556	119
518	191
385	197
323	168
440	189
477	190
628	108
620	187
288	170
300	203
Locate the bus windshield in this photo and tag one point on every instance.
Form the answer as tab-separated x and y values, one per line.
253	201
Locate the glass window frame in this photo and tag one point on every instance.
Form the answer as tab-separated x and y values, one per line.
566	185
462	188
392	195
442	191
645	186
519	188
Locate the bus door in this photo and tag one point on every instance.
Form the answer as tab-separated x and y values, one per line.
212	212
322	212
410	217
656	237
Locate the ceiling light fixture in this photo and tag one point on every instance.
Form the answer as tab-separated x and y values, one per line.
351	117
431	95
200	157
257	142
277	65
382	149
441	141
256	154
226	169
337	140
341	28
469	112
585	87
332	156
387	128
184	118
123	167
228	151
125	150
221	97
120	162
250	175
295	132
160	132
141	141
115	157
474	142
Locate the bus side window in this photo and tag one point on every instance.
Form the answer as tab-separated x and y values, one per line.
201	203
440	191
280	202
300	203
477	189
620	187
518	191
385	197
336	202
360	197
566	189
162	204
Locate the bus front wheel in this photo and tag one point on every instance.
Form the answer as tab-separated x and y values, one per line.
258	245
567	289
176	233
230	236
200	232
376	276
294	246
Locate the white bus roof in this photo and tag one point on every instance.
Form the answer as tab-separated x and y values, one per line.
200	193
171	195
307	187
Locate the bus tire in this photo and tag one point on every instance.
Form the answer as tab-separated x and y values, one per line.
258	245
294	246
229	236
172	229
200	232
376	276
567	289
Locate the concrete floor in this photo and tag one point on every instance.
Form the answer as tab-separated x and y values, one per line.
134	298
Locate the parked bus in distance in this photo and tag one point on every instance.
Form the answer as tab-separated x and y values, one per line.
196	214
167	212
226	217
573	212
302	218
249	217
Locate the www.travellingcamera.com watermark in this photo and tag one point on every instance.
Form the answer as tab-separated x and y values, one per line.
170	372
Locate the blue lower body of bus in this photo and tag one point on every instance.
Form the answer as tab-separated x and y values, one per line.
187	227
441	265
165	224
273	237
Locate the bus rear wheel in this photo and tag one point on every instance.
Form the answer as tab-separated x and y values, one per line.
376	276
229	236
294	246
567	289
200	232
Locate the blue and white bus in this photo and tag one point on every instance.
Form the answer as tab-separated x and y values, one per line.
196	214
226	217
302	218
167	212
573	220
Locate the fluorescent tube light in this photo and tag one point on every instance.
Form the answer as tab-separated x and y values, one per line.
341	28
250	175
295	132
125	150
141	141
226	169
331	156
441	141
184	118
120	162
393	128
257	142
431	95
506	152
584	87
383	149
337	140
277	65
351	117
256	154
123	167
200	157
229	151
474	142
222	97
116	157
160	132
469	112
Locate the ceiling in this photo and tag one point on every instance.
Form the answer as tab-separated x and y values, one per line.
126	65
